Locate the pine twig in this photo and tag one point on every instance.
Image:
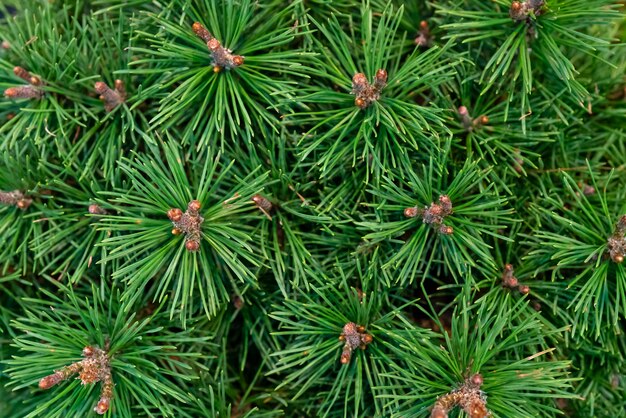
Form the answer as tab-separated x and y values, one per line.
15	198
222	57
30	91
188	223
94	367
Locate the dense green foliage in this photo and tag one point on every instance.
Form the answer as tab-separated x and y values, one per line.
351	208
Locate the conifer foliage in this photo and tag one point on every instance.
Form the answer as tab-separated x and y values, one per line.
351	208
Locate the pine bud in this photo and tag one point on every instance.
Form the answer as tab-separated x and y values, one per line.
15	198
446	230
175	214
616	244
438	412
238	60
446	204
194	206
111	98
477	409
466	119
96	210
477	380
188	223
518	11
201	32
192	246
22	73
51	380
359	80
23	203
411	212
102	406
366	93
355	337
346	355
237	302
380	80
524	289
424	38
5	45
88	351
262	202
23	92
213	44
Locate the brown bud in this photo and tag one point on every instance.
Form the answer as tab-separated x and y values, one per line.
618	258
23	92
23	203
381	76
119	86
525	289
424	25
368	338
463	111
237	302
359	102
175	214
102	406
100	87
518	11
411	212
238	60
176	231
477	409
192	246
194	206
49	381
201	31
5	45
96	210
213	44
22	73
588	190
88	351
359	78
484	119
477	379
262	202
360	329
511	282
438	412
445	203
446	230
435	210
342	337
346	355
217	69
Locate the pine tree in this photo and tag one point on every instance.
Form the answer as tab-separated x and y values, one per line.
353	208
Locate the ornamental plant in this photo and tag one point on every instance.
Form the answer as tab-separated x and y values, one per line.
312	208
